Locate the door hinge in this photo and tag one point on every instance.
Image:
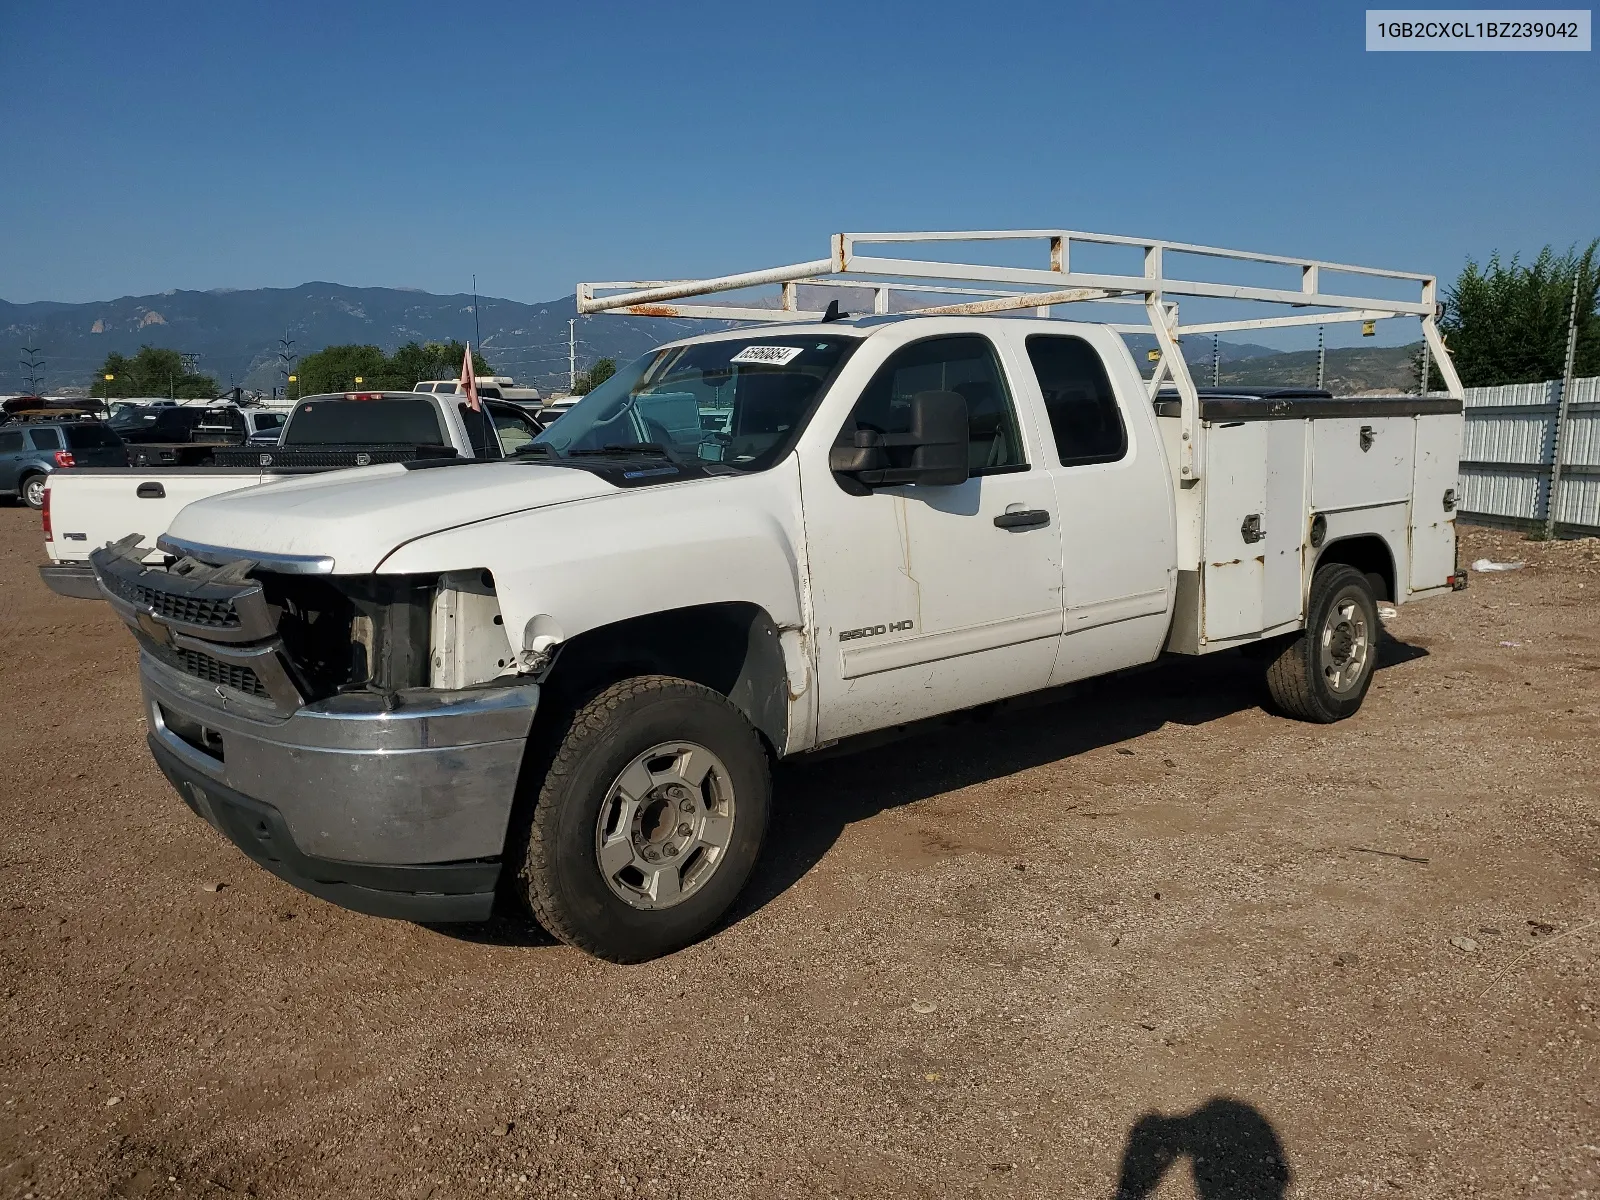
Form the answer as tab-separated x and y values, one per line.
1449	499
1368	434
1251	530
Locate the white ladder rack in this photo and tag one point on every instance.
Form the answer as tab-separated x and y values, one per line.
1000	289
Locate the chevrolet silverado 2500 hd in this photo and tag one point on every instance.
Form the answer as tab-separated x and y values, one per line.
562	677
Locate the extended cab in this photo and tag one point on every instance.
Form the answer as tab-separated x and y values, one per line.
323	433
561	679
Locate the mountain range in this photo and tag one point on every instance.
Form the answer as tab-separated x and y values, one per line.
239	336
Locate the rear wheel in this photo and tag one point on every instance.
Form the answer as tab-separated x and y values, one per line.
33	491
1323	673
648	821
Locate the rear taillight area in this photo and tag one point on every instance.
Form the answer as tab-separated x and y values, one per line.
64	459
44	514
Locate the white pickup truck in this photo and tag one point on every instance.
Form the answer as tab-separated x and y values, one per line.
561	679
101	505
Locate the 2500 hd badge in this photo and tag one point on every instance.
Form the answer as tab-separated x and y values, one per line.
850	635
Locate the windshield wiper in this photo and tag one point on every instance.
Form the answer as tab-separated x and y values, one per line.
654	449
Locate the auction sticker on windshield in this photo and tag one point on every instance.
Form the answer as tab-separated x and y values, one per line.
774	356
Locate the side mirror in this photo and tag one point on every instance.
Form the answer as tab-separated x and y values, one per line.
934	451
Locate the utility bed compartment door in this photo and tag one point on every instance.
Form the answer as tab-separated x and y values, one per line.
1236	494
1360	462
1255	526
1433	526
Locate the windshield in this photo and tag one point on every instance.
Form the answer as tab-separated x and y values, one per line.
740	402
391	421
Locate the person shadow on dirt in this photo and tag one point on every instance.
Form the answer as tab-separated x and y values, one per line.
1233	1151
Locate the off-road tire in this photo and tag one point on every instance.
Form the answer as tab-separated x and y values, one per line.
1296	677
559	875
25	490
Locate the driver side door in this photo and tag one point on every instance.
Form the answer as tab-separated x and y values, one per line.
928	599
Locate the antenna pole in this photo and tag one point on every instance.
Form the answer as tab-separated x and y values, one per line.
477	334
1216	360
1322	358
572	354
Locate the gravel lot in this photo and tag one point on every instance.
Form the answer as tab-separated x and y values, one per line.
1026	956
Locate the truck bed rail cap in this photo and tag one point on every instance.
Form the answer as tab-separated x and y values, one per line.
284	564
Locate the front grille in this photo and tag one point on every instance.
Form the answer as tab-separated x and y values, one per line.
240	679
192	610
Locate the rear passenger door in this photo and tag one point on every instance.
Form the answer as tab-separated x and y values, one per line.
11	452
1115	500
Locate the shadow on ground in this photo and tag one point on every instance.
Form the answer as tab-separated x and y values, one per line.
1233	1152
815	799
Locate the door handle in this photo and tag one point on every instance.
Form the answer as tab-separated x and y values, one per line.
1026	518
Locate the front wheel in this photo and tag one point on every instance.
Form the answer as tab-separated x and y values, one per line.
1323	673
33	491
649	819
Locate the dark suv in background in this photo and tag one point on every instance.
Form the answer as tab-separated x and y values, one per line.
30	451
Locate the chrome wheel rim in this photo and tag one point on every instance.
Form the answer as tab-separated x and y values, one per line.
665	825
1345	647
33	493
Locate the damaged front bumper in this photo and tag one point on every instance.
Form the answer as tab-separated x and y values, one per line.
395	807
388	800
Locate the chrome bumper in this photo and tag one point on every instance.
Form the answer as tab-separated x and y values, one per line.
426	780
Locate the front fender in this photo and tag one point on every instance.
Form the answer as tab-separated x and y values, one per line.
563	570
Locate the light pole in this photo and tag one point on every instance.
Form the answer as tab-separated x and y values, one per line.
109	378
292	379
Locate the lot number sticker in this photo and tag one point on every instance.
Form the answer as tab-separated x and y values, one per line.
773	356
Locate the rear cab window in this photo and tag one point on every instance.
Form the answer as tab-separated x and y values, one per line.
390	421
45	439
1084	416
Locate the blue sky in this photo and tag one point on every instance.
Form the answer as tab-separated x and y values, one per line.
159	145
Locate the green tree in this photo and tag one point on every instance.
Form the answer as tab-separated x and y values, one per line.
151	372
336	368
1507	323
591	378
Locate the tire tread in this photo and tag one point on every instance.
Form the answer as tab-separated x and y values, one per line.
1291	674
593	719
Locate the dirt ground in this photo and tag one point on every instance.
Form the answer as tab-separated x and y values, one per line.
1036	955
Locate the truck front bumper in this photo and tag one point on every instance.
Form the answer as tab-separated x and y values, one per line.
397	808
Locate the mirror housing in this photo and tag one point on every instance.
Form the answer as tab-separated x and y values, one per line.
934	452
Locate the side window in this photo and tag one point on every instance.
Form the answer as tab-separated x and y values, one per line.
480	432
10	443
516	429
965	365
45	439
1077	394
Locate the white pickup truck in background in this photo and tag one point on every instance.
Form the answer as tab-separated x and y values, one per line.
323	433
560	680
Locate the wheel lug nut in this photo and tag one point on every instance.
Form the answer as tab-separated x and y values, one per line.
677	792
672	851
651	855
684	829
686	805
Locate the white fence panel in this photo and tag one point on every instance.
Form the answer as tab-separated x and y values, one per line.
1509	447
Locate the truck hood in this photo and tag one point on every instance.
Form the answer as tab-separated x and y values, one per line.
358	518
